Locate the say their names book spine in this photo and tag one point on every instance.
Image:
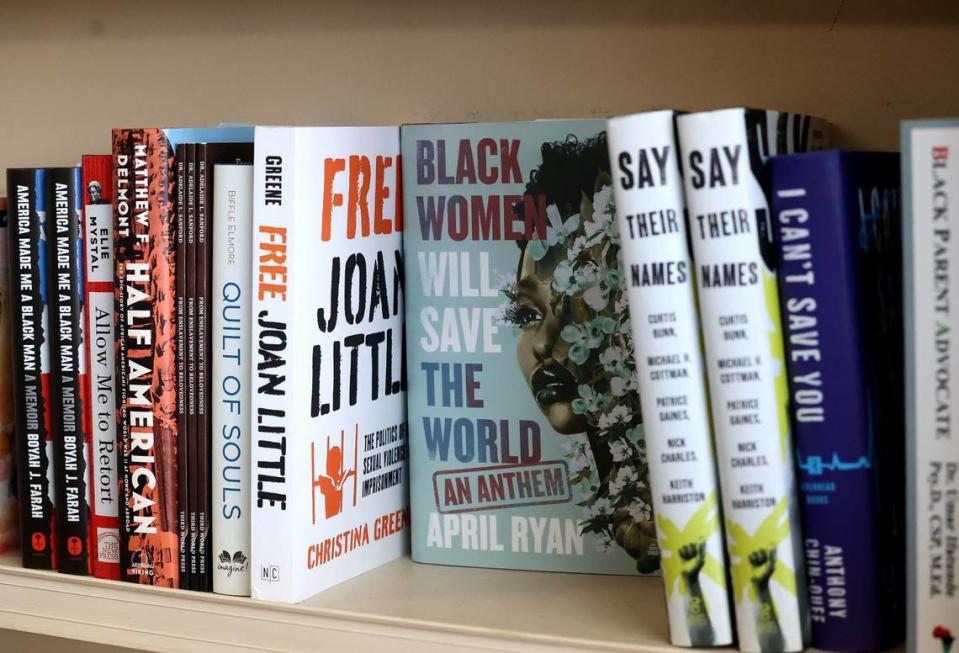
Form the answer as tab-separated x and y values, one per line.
930	176
230	387
724	164
69	376
329	443
31	355
837	224
105	489
651	215
145	308
9	504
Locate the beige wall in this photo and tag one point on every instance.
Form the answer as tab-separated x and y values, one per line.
70	71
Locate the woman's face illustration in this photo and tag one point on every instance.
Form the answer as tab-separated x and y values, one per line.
541	315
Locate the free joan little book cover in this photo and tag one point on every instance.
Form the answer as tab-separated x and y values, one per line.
526	436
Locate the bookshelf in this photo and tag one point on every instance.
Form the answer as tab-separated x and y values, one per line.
90	66
400	607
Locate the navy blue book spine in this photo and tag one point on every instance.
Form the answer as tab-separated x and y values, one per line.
837	225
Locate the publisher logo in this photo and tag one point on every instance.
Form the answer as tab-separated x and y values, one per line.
270	573
336	478
236	563
74	545
108	545
38	541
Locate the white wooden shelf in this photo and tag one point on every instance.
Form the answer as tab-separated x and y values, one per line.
403	606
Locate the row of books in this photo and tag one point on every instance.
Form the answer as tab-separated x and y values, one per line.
603	347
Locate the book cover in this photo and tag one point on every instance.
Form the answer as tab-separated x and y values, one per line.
329	493
69	378
230	385
31	373
207	155
527	445
105	490
930	183
837	220
724	157
9	504
145	315
651	214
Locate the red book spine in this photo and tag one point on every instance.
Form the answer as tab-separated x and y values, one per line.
100	391
145	301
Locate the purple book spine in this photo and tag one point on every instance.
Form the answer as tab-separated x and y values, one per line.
837	230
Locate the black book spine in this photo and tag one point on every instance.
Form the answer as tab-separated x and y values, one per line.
183	439
204	271
64	272
191	346
27	283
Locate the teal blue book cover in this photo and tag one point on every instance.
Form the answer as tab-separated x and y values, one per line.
526	437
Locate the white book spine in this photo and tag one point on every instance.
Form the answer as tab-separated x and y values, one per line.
272	493
931	187
98	254
230	401
723	158
665	324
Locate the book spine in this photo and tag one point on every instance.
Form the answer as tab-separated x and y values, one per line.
183	431
930	185
662	304
9	504
203	272
145	247
272	518
31	355
69	376
230	401
833	390
97	228
724	155
191	349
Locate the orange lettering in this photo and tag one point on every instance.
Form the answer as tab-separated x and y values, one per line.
272	263
330	199
359	189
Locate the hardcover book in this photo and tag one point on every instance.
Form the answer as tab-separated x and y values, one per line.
329	495
105	488
9	508
31	373
230	401
650	210
724	157
930	176
527	444
145	315
70	388
837	222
